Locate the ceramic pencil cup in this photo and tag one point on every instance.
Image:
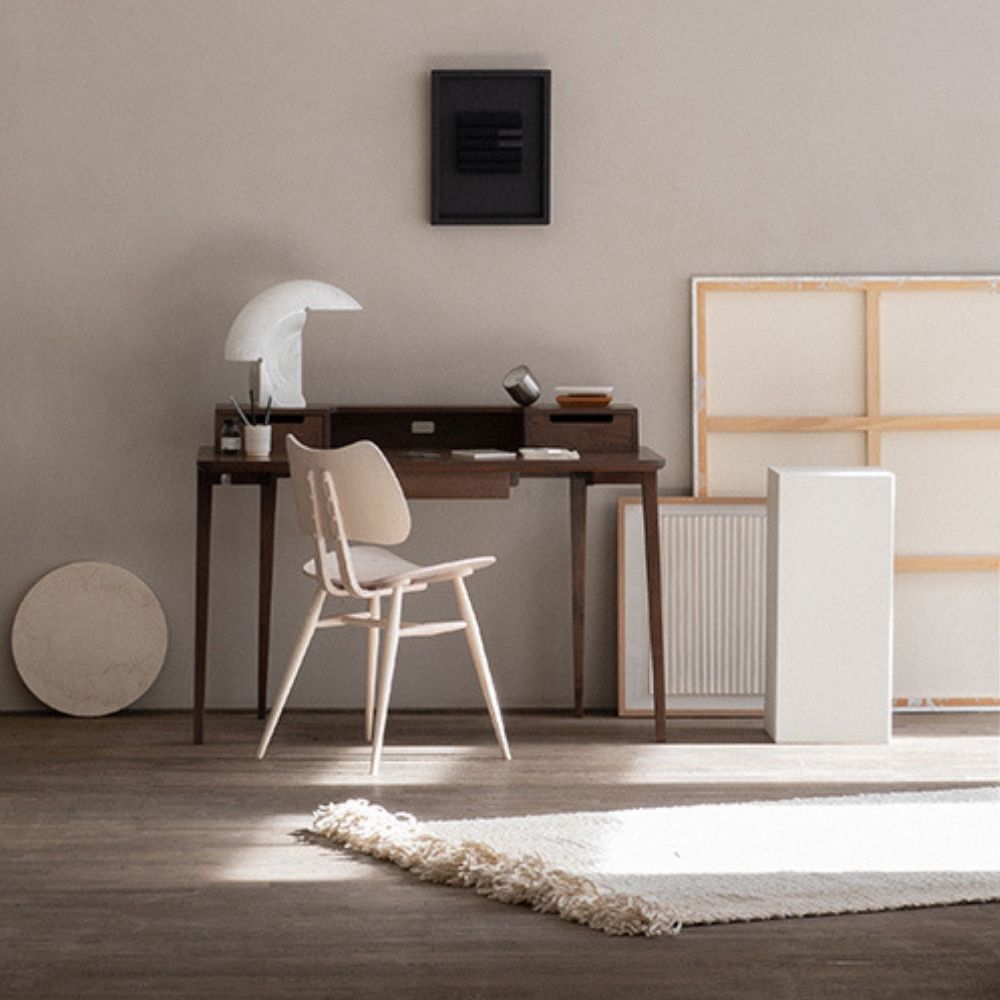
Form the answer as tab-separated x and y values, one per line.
257	440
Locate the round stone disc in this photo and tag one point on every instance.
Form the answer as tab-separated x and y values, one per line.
89	638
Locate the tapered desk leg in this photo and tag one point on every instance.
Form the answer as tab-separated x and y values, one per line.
651	529
268	497
203	551
578	544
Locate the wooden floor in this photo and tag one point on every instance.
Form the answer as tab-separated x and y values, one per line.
133	864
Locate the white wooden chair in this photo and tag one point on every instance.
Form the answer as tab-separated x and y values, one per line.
351	495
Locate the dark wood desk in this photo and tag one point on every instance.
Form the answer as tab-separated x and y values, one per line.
439	477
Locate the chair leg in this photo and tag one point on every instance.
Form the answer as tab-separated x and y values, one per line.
294	662
371	668
389	649
478	651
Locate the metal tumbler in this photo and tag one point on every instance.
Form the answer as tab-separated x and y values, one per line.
521	386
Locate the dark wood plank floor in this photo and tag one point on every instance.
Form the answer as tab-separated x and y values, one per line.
133	864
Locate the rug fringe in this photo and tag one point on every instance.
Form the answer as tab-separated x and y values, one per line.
519	879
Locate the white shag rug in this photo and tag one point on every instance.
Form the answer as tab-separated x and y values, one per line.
651	871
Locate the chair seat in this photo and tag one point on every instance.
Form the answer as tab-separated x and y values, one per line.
379	569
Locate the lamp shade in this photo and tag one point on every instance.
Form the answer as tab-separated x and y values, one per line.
268	330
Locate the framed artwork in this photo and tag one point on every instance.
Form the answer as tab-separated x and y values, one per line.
490	147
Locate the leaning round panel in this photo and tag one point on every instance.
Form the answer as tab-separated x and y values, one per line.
89	638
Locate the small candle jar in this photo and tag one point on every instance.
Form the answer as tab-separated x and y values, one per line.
230	440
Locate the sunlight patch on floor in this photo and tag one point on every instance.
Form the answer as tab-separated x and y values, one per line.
278	855
907	760
414	765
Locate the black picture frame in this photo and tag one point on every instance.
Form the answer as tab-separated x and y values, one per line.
490	147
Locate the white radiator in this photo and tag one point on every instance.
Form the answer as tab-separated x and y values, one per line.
714	606
714	592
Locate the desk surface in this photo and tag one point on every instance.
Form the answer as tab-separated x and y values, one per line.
592	463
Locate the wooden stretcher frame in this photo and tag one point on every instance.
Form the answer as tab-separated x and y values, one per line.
872	423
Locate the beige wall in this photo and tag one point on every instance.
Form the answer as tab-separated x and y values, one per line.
164	161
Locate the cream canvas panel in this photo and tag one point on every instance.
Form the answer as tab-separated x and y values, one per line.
940	351
785	353
738	462
947	491
946	635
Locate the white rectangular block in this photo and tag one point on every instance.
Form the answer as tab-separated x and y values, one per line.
829	618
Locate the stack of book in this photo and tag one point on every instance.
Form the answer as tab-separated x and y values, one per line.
529	454
584	395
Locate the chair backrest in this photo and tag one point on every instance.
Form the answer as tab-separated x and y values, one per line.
352	494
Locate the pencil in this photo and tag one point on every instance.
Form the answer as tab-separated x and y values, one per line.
239	410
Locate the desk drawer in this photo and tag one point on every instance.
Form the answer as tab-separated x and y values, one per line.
436	428
605	429
419	485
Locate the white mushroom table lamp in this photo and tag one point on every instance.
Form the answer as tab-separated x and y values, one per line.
268	331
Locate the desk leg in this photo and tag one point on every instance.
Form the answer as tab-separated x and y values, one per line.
203	552
578	544
651	527
268	497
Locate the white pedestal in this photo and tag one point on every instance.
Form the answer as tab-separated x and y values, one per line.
829	616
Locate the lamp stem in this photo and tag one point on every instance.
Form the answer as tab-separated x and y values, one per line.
255	383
